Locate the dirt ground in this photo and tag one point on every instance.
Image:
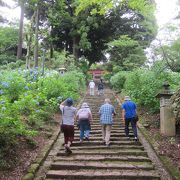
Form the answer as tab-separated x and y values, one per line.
167	146
26	153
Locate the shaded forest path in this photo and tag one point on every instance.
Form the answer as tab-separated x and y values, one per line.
124	159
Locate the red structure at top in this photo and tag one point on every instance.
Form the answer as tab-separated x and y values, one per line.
96	73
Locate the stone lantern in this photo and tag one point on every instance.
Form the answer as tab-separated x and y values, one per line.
62	71
167	120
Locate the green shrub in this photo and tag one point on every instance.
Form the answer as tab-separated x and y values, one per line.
118	80
5	59
28	101
107	76
12	85
143	85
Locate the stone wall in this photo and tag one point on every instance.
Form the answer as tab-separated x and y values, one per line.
175	103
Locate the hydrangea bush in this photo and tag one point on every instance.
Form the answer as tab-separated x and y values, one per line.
28	100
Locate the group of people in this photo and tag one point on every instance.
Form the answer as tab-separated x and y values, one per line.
84	119
100	87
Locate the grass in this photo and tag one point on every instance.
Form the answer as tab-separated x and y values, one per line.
173	170
164	159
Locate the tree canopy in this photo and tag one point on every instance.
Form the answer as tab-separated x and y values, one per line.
87	34
84	28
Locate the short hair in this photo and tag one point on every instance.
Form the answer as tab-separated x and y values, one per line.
69	102
107	100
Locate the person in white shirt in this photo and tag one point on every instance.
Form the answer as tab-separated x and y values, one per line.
67	124
92	87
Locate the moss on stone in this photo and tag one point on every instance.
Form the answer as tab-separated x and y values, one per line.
29	176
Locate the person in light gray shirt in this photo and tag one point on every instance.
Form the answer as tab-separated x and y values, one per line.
67	126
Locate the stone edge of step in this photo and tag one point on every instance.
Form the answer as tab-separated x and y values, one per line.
152	151
31	171
35	165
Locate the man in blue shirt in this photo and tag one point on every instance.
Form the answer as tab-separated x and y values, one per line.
106	119
128	116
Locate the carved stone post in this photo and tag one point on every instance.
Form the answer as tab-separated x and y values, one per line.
62	71
167	120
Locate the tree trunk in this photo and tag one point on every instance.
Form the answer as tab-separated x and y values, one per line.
36	38
76	47
51	44
51	51
20	41
28	55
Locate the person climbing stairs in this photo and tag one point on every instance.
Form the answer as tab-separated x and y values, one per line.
124	159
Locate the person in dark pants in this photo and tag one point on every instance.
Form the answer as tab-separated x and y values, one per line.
68	118
100	88
128	115
84	117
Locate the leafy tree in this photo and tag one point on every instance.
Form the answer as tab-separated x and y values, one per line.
8	38
167	49
3	4
170	54
143	6
87	33
37	12
126	53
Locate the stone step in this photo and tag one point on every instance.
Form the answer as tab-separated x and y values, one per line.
117	122
100	135
104	147
82	157
96	128
95	138
76	165
124	159
107	152
103	174
93	143
113	131
98	125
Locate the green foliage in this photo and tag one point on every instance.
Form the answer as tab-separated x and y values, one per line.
143	85
145	7
170	55
87	34
6	58
63	59
28	102
107	76
126	53
103	6
8	38
12	85
118	80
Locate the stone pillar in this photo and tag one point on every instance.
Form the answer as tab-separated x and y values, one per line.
167	119
62	71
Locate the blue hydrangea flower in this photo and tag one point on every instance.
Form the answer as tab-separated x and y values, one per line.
26	87
5	84
36	102
2	102
3	108
1	92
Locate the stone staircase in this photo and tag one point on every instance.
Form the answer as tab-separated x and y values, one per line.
124	159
